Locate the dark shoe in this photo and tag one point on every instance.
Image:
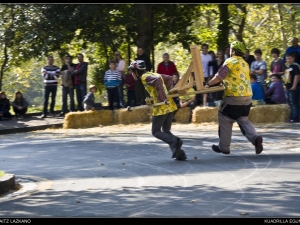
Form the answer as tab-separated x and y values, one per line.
294	121
181	156
43	116
258	144
177	148
51	114
218	150
62	114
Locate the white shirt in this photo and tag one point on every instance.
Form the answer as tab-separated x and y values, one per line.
120	66
205	60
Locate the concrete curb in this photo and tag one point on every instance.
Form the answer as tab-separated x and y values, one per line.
28	129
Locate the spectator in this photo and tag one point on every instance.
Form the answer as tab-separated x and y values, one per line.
80	79
236	104
295	48
67	85
130	86
188	101
257	91
292	87
112	79
275	94
207	70
259	68
248	58
213	64
142	56
120	66
227	52
277	65
89	100
167	66
218	95
50	73
4	106
216	63
20	105
175	81
140	91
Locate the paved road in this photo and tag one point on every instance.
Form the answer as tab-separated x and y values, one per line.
122	171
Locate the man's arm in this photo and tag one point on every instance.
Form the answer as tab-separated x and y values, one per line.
296	78
168	80
270	91
156	82
83	67
223	71
261	69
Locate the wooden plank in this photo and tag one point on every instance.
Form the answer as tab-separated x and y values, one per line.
197	67
185	82
204	90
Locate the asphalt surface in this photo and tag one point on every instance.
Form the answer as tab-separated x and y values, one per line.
123	171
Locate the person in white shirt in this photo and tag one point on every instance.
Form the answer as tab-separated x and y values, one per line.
120	66
207	70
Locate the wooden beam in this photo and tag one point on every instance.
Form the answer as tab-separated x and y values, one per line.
197	67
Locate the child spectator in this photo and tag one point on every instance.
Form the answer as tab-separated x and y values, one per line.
257	90
175	81
259	68
129	83
292	87
112	79
277	66
275	94
20	105
188	101
89	100
4	107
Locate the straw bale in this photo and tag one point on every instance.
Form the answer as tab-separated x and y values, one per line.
183	115
88	119
139	114
269	113
205	114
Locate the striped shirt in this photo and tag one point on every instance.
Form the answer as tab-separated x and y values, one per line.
112	79
51	74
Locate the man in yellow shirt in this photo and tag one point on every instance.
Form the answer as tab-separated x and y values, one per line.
158	86
237	100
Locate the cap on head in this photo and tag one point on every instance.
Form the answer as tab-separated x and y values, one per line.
92	86
137	65
117	53
239	46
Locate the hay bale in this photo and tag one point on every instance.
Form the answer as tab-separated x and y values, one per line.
183	115
205	114
139	114
269	113
88	119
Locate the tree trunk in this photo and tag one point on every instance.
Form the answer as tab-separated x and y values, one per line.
144	29
3	66
293	21
239	33
223	27
282	33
